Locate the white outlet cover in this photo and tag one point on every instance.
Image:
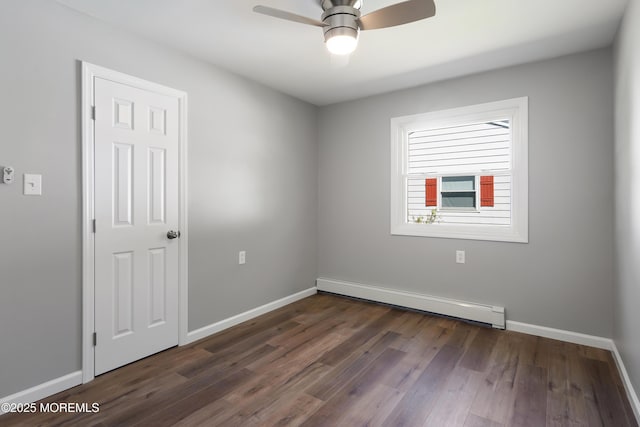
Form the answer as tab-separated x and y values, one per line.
32	184
7	174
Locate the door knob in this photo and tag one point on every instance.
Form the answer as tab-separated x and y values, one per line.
172	234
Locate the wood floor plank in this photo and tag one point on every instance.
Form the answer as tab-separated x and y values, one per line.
419	400
292	412
332	361
328	308
559	411
542	352
206	415
360	338
628	410
181	406
594	353
299	355
476	421
479	352
357	388
213	363
582	393
609	402
304	333
351	367
420	352
358	317
230	349
497	393
456	397
277	402
410	323
373	407
530	405
246	329
279	367
527	350
565	400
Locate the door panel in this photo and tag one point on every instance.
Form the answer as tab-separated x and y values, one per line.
157	286
122	294
136	204
122	184
157	190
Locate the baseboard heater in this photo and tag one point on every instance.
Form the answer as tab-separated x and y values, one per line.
488	314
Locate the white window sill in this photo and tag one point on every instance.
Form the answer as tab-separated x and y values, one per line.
447	231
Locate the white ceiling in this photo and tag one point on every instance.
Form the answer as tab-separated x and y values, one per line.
464	37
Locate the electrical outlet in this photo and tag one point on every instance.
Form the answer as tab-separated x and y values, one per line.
460	257
7	174
242	257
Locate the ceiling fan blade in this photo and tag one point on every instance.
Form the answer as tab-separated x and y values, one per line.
398	14
277	13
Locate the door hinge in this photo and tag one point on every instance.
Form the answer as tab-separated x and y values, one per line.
93	225
93	112
95	339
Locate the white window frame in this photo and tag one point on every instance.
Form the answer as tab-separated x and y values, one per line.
516	110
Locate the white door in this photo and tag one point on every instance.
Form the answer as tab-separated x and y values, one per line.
136	206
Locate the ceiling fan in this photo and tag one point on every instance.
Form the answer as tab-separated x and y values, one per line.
341	20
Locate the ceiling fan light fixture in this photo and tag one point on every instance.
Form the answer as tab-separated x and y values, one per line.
341	20
341	41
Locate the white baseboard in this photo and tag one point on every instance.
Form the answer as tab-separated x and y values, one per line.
247	315
492	315
628	386
561	335
43	390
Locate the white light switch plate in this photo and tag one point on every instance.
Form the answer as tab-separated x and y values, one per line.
460	257
32	184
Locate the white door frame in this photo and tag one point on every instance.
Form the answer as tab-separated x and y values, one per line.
89	73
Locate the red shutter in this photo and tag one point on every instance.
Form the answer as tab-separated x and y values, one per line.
431	192
486	191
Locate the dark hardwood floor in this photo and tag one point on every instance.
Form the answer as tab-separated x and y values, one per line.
331	361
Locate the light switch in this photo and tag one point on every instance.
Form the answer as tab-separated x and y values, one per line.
32	184
242	257
460	258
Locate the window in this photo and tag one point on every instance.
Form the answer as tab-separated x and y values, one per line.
458	192
462	173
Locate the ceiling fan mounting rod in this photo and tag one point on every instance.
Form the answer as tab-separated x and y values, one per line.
328	4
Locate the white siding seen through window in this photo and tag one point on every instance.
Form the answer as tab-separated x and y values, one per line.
480	149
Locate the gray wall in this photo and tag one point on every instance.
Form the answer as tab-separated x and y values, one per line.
253	181
563	277
627	185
